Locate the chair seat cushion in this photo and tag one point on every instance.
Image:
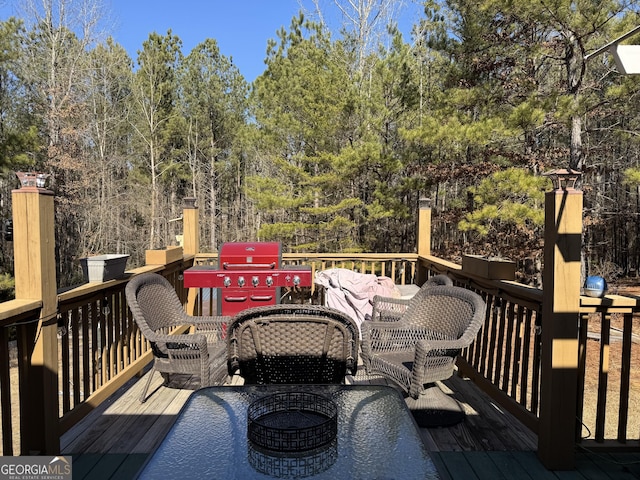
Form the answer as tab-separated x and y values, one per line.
398	367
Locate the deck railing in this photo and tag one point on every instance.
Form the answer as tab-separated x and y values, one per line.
505	359
16	320
400	267
99	346
609	348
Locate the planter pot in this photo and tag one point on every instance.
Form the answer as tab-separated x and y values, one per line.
489	267
163	256
101	268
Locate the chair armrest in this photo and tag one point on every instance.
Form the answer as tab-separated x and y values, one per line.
388	309
428	345
167	345
213	327
442	347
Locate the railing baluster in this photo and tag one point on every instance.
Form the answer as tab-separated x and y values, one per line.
526	355
117	334
107	312
625	373
103	349
122	323
603	376
517	351
500	344
132	343
65	379
481	351
313	276
582	363
535	367
508	347
95	345
213	302
86	352
5	394
489	356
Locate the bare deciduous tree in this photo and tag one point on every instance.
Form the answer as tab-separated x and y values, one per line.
366	20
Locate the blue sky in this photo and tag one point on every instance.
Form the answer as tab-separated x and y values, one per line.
241	27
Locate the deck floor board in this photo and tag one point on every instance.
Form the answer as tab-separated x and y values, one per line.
483	462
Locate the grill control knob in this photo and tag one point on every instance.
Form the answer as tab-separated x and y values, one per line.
227	282
296	280
269	281
255	281
241	281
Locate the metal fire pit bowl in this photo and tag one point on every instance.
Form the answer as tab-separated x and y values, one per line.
292	421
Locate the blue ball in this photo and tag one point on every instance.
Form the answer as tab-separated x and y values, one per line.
595	286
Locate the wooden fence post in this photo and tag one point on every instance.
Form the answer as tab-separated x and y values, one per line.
191	242
35	277
191	226
424	237
560	315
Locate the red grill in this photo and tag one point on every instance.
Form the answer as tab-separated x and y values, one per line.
249	274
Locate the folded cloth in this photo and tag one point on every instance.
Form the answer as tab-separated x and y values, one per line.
352	292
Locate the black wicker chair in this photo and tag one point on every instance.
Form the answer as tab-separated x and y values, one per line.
292	344
156	310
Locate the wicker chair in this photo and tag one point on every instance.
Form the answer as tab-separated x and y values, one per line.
388	309
292	344
156	309
420	347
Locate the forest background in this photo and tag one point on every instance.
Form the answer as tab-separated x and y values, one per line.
331	148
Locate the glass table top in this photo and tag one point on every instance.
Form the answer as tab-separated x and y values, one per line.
377	438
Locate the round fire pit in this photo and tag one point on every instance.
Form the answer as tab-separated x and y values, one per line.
292	421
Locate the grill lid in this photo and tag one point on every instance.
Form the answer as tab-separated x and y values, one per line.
250	255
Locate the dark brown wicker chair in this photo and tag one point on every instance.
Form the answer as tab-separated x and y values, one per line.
292	344
420	348
156	310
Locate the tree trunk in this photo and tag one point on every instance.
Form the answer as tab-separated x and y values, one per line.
575	156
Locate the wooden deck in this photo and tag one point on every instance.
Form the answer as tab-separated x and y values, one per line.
115	439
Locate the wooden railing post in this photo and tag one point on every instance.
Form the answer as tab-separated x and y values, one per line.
561	305
35	277
424	237
191	226
191	242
